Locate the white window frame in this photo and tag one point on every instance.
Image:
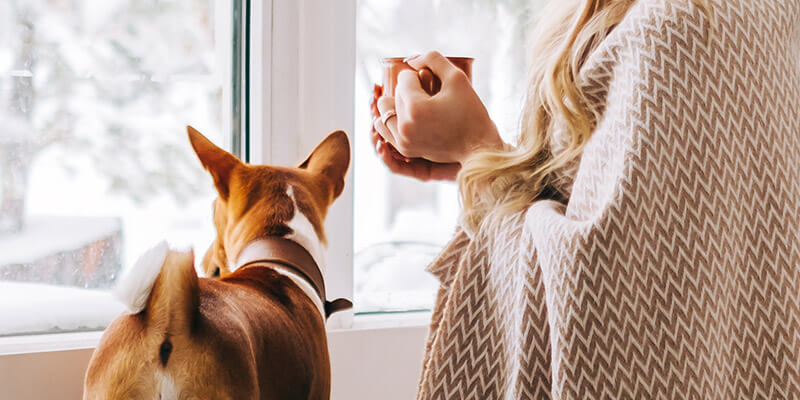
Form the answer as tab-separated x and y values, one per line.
306	55
302	67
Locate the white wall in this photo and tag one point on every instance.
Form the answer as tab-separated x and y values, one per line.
48	375
377	364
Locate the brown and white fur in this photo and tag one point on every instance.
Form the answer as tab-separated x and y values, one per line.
256	332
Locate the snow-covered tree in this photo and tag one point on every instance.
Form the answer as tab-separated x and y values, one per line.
112	80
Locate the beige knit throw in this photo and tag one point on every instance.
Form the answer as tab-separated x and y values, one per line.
674	269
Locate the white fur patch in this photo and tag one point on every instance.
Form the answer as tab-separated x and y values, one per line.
135	285
306	287
165	387
304	234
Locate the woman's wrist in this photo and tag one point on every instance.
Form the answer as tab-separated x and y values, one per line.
489	142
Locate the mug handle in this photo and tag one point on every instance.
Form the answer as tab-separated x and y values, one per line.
430	82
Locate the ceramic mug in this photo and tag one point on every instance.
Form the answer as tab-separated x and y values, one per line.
430	82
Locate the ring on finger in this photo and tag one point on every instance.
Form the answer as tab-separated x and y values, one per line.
389	114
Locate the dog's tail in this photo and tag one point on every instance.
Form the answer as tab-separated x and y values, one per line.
163	286
174	300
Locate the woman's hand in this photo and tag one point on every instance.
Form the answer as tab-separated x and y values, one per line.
418	168
442	129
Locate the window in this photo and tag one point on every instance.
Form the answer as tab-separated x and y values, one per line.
94	162
303	59
401	224
95	166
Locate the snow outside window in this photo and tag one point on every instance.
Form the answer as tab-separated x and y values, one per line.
401	224
95	166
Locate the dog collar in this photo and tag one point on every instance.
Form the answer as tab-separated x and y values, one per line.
294	257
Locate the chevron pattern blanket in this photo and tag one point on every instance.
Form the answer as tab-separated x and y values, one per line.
673	271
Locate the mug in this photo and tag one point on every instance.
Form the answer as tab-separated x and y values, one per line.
430	82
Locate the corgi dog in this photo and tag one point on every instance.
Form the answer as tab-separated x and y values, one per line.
257	331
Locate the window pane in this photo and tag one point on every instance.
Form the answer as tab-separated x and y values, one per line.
401	224
94	165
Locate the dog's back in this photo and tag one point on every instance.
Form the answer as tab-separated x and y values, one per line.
203	338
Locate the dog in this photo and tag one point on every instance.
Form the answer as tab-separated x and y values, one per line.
258	330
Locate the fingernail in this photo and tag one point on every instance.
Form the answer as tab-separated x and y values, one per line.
414	57
378	146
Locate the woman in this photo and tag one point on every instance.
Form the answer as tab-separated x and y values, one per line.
641	239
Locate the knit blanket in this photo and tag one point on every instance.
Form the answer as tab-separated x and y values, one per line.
673	270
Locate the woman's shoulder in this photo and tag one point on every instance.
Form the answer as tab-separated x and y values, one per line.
730	22
666	11
655	20
672	30
651	32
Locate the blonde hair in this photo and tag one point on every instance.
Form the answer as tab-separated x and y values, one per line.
505	182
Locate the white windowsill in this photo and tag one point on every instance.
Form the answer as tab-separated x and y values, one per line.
379	357
29	344
39	343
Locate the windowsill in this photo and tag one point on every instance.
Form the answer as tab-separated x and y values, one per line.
412	319
40	343
55	342
379	357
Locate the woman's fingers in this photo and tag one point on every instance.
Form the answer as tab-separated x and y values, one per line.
387	105
409	85
411	168
378	142
376	139
387	127
417	168
383	130
439	64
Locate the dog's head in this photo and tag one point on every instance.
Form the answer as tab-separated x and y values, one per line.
256	201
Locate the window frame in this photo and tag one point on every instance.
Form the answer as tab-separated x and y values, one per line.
299	65
300	97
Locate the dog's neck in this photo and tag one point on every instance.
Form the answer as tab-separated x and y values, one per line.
290	259
303	234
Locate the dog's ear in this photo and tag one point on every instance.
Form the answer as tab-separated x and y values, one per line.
218	162
330	159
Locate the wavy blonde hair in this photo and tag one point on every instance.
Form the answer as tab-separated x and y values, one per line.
505	182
